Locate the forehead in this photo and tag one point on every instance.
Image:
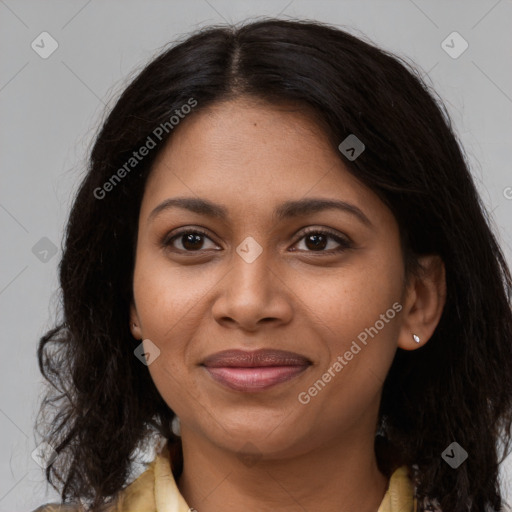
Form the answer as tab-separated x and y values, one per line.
251	154
251	129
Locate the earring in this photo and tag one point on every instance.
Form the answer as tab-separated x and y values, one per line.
176	426
416	338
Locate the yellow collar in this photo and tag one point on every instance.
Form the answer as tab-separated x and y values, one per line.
156	491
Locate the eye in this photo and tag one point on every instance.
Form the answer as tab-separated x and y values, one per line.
316	240
191	240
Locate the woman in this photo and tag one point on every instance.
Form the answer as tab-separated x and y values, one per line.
279	268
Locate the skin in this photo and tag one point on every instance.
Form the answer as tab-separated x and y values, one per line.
250	157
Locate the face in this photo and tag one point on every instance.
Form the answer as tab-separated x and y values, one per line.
269	266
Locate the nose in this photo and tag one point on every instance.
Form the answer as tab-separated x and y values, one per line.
253	294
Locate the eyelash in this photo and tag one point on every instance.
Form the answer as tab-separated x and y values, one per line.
344	243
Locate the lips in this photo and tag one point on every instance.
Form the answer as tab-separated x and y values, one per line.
254	371
258	358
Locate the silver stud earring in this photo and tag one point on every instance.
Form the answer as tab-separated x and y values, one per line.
416	338
176	426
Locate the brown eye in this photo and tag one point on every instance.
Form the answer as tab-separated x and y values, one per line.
318	240
190	240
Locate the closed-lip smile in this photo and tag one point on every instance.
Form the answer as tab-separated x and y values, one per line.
257	370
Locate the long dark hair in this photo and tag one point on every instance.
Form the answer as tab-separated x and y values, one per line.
102	403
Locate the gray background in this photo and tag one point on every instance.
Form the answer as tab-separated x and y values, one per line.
50	108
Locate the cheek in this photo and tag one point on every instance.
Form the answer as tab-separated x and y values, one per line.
358	311
165	306
359	346
168	297
353	298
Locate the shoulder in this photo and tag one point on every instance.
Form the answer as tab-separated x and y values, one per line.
59	507
138	496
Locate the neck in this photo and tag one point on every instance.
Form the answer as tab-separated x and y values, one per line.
333	477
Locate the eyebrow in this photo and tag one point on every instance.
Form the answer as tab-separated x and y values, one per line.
288	209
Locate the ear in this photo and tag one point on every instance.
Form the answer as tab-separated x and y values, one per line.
135	322
425	298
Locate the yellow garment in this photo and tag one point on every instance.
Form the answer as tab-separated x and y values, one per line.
156	491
